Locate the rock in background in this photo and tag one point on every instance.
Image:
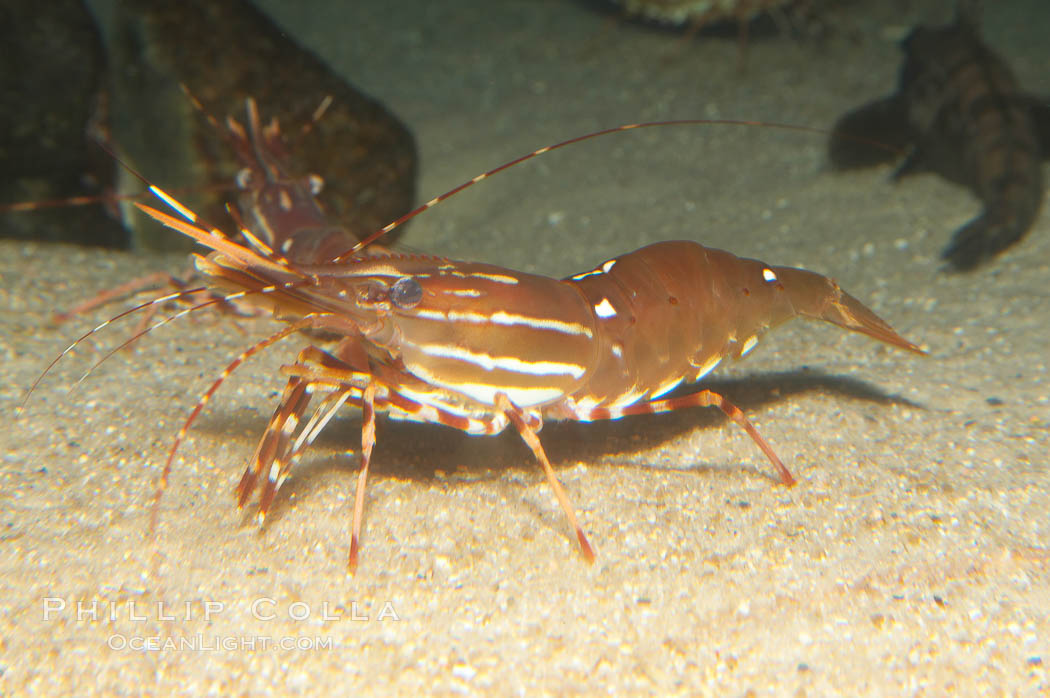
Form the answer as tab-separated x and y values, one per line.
223	51
51	102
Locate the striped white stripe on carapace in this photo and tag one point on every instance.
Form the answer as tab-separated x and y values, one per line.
469	380
501	317
485	393
534	341
513	364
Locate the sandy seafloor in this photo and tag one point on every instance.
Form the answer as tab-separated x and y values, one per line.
911	558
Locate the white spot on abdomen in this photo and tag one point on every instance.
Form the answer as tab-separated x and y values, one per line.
605	309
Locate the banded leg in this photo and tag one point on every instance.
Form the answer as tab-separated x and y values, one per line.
322	415
368	440
287	437
273	445
532	439
291	452
318	367
277	452
704	398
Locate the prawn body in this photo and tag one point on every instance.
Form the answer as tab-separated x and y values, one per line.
472	346
478	347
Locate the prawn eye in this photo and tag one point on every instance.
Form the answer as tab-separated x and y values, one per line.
406	293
